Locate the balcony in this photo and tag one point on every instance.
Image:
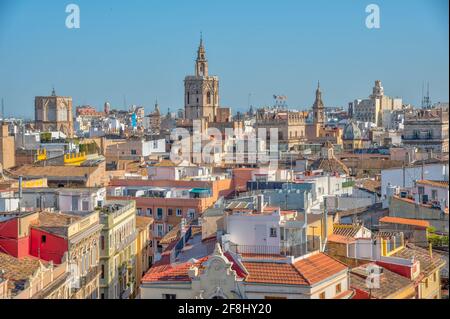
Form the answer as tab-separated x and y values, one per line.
123	244
92	274
261	250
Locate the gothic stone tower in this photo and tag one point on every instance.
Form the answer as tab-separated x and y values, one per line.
54	113
201	91
318	111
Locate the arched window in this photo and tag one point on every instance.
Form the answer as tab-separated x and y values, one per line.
187	97
208	97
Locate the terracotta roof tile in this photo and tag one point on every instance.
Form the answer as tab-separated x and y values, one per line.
390	282
319	267
142	222
168	272
273	273
443	184
405	221
340	239
307	271
428	264
17	271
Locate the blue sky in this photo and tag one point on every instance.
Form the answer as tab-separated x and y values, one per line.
143	49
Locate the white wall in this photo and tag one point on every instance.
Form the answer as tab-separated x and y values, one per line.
394	176
8	204
243	229
442	193
65	199
154	146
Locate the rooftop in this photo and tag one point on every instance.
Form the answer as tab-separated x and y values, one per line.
56	223
17	271
405	221
390	282
143	222
307	271
53	170
428	262
442	184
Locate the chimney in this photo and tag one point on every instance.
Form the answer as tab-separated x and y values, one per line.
260	203
20	192
417	198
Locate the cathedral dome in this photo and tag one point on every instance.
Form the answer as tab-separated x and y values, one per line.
352	132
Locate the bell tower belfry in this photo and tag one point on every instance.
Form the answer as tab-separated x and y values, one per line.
201	64
201	91
318	107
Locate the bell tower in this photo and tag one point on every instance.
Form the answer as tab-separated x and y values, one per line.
201	64
201	91
318	107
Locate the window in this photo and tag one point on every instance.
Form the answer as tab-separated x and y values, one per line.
434	277
426	283
273	232
169	227
179	212
160	230
139	211
169	296
75	200
338	289
434	194
43	239
149	212
421	190
170	211
159	213
102	242
322	295
103	272
133	152
85	205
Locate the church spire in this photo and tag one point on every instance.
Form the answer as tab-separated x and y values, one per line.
318	107
201	64
318	102
157	110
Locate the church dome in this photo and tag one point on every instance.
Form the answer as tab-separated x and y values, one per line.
352	132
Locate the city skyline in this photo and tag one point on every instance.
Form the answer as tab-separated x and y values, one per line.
146	58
